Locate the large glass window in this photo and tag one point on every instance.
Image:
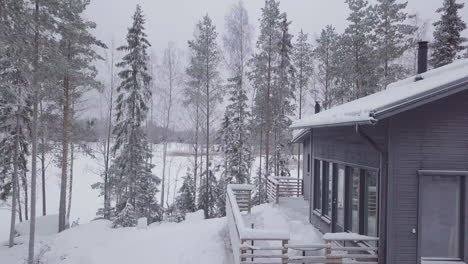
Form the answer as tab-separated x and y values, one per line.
329	189
347	195
354	200
340	198
370	203
318	185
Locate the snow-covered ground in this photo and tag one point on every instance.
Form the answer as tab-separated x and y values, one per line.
175	243
192	241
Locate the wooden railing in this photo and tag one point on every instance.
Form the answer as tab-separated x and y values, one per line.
260	246
330	252
242	235
283	187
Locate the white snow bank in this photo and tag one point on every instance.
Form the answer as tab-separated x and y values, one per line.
97	243
361	110
348	237
195	217
45	226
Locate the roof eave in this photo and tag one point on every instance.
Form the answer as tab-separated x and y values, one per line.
370	121
444	91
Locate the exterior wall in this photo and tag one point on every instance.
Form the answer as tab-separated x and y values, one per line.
430	137
306	174
344	145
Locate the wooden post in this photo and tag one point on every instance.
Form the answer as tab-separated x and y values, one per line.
277	193
252	243
249	203
243	251
285	251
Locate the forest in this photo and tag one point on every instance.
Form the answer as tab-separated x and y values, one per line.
240	88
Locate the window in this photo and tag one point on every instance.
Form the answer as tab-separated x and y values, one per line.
329	190
318	185
347	195
370	203
340	198
354	186
308	162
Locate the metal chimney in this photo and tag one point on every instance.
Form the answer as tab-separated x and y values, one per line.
422	56
317	107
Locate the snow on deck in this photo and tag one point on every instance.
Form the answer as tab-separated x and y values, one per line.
290	215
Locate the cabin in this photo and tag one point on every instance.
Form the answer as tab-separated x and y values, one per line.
394	165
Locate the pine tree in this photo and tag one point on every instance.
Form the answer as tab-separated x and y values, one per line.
448	42
392	39
185	201
262	73
303	61
136	185
77	47
327	65
359	60
204	74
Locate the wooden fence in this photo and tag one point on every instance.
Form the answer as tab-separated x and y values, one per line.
283	187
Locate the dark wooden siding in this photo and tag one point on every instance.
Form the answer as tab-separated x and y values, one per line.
433	136
343	144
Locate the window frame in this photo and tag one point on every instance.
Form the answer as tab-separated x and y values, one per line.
324	193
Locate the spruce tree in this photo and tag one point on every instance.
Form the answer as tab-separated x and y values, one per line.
185	201
392	34
283	96
136	185
208	198
234	135
448	42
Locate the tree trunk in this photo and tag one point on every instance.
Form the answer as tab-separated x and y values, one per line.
26	196
108	142
70	184
11	241
32	223
65	143
18	200
43	169
208	187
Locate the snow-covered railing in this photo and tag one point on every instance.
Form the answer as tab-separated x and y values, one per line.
248	244
337	248
240	233
283	187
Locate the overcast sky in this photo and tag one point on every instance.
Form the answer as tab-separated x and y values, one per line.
174	20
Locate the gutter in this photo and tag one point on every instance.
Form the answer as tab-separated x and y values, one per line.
370	121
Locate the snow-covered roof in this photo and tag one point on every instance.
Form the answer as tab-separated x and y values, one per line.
398	96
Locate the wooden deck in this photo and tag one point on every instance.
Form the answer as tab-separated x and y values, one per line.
272	241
